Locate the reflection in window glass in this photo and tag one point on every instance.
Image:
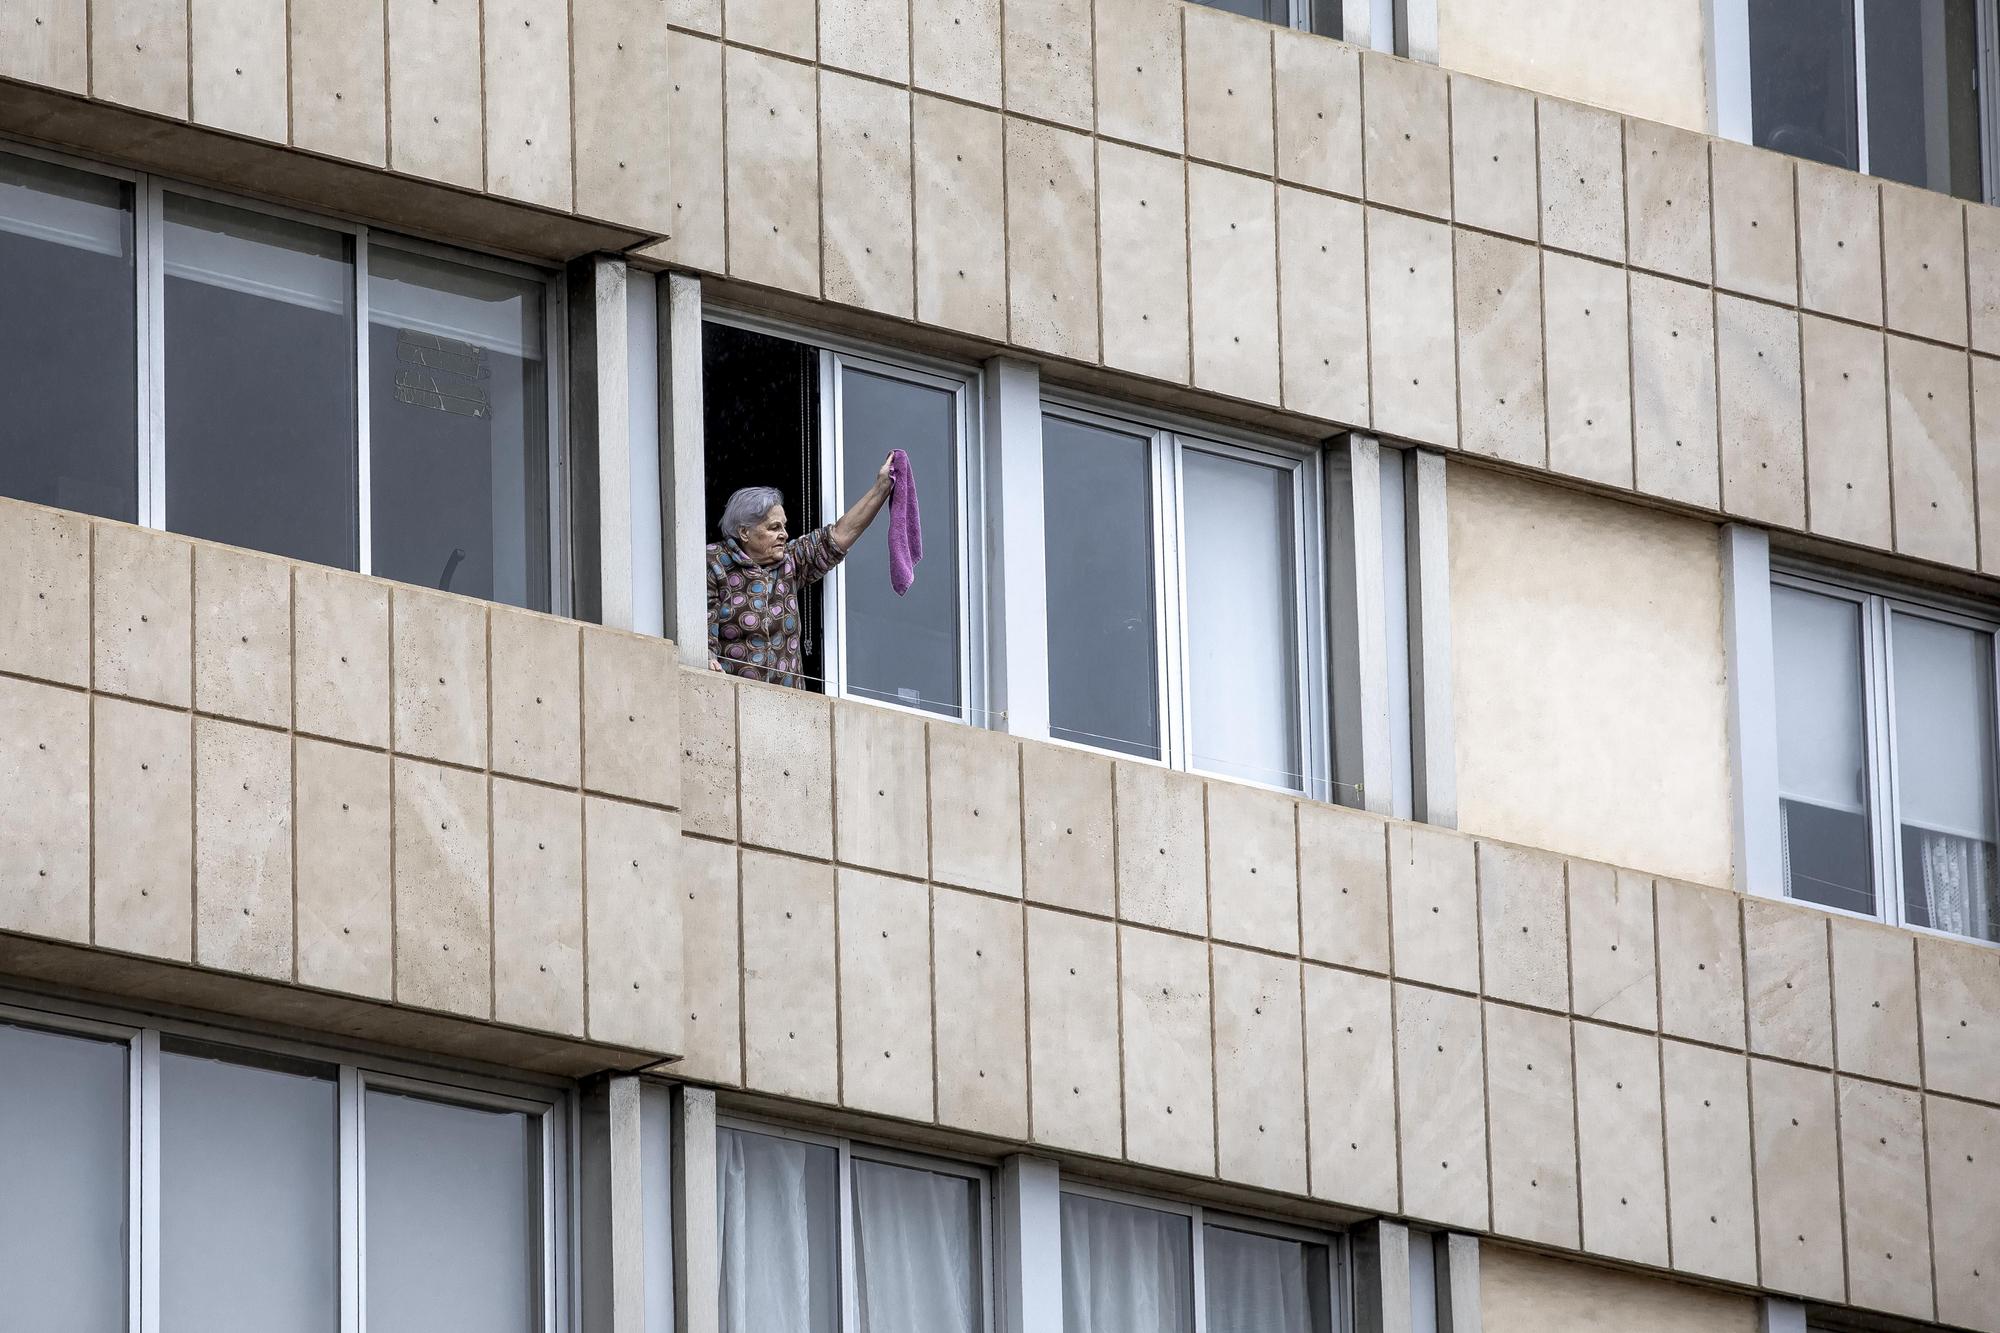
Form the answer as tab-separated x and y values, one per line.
916	1242
1103	645
778	1202
249	1197
1125	1269
1822	751
63	1198
458	428
1265	1284
1923	93
69	435
260	382
1802	79
1945	775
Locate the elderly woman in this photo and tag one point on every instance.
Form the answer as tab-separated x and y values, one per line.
755	573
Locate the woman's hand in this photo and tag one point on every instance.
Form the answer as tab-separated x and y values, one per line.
883	475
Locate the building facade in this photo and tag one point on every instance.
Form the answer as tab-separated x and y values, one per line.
1439	771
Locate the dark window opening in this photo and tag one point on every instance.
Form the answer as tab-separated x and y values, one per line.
1323	17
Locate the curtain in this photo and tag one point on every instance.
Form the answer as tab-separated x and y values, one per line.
1125	1269
1260	1284
1957	882
776	1201
915	1236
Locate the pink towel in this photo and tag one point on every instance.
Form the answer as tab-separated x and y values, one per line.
906	529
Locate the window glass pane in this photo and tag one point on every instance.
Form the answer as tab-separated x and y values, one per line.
1923	93
778	1202
453	1216
1822	751
249	1197
916	1249
69	436
63	1200
1802	79
260	382
1242	618
1272	11
1265	1284
1097	511
1125	1269
902	649
458	413
1945	774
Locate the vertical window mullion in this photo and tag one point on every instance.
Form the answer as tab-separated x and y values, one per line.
150	195
137	1197
149	1181
833	649
1172	563
850	1296
1861	154
1198	1268
351	1216
555	403
364	490
1885	837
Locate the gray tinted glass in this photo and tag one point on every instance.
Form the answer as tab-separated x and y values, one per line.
1097	512
1822	749
1273	11
1923	93
916	1250
777	1206
68	340
1945	788
1125	1269
1265	1284
1802	88
260	382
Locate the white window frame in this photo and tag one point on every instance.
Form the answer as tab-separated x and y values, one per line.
355	1071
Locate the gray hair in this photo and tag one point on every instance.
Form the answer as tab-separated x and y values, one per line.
747	508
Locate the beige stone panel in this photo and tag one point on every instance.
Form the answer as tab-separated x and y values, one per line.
1139	72
528	153
790	1010
785	773
1675	452
443	905
878	815
1986	457
340	655
1930	452
710	960
1413	371
1586	332
1051	242
1500	371
439	658
1959	985
1798	1180
1343	887
631	716
1162	878
1840	243
1982	275
1233	268
700	15
1434	906
139	54
1612	978
1066	815
1621	1144
1708	1162
885	996
1667	209
1351	1089
1229	89
538	944
1963	1145
869	37
1923	255
1875	1001
242	849
785	26
960	206
773	170
624	103
866	222
1847	431
1319	135
1260	1091
45	600
1644	60
1756	239
1583	178
1253	867
955	49
977	961
1523	926
536	697
141	607
975	808
1322	284
1701	963
1763	427
1073	1033
1493	157
1535	1293
1441	1104
142	830
436	120
1887	1204
1406	134
1787	981
1142	216
242	636
46	43
340	82
1531	1105
346	932
708	753
1163	987
695	153
1047	59
45	790
237	66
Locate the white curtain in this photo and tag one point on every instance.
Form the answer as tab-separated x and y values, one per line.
1957	882
1259	1284
776	1199
1125	1269
914	1241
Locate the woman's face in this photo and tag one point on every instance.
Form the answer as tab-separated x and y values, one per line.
764	540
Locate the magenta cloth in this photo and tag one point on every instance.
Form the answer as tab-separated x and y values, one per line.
906	529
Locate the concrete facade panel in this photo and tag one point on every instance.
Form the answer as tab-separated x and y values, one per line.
141	615
697	174
1667	205
979	969
1621	1144
785	769
624	75
1612	974
879	783
785	26
1532	1109
1162	879
1067	823
1798	1182
1982	276
443	905
340	656
1675	449
867	226
1260	1091
1888	1211
1521	1292
45	607
1788	985
1253	889
1343	888
1051	242
345	923
1434	906
1406	134
791	1032
1047	60
1413	365
243	849
1142	215
1321	150
1073	1033
237	67
1583	179
439	658
538	910
711	960
1322	282
1840	243
1643	60
885	996
1701	963
1930	452
437	122
1524	927
1709	1178
45	788
975	809
1986	458
955	49
1500	350
1923	258
1229	90
1959	988
47	44
139	54
1493	160
1351	1089
1233	280
1440	1098
536	697
870	37
1587	340
1139	90
700	15
960	201
1763	426
1963	1143
340	80
1163	991
772	187
142	830
1756	238
1875	1001
1847	431
242	636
